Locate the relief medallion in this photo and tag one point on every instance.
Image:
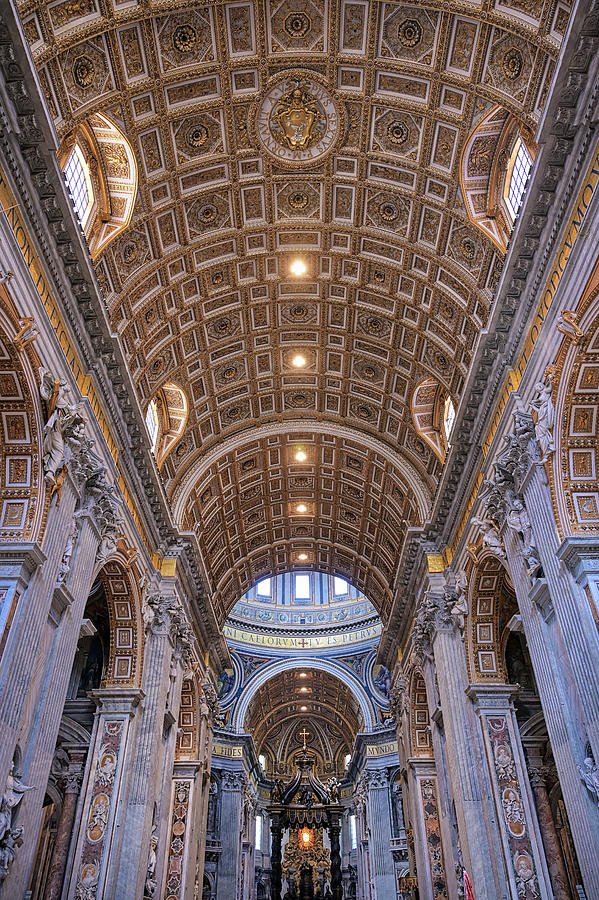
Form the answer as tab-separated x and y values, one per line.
298	121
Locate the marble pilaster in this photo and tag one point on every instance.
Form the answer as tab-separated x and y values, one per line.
146	760
104	790
418	770
562	638
563	716
229	867
521	838
479	836
380	831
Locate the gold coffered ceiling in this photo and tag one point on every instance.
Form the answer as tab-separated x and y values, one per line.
319	702
399	281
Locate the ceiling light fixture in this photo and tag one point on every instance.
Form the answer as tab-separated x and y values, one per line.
302	508
298	268
303	690
303	708
303	675
302	556
298	361
301	456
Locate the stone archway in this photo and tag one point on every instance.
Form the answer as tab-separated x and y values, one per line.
24	500
123	597
283	665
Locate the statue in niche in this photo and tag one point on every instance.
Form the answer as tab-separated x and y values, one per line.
544	410
150	885
459	609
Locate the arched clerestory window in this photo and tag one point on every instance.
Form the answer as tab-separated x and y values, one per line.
166	417
101	174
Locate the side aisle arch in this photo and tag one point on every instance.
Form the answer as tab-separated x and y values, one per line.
420	728
574	469
492	604
123	598
24	500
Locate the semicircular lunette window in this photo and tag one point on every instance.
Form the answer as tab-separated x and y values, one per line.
433	413
166	418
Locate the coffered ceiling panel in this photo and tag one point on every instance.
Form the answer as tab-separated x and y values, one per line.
270	130
303	696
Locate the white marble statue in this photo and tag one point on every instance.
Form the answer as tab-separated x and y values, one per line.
65	423
590	775
491	536
11	837
459	610
542	405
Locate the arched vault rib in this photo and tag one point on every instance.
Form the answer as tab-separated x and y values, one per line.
332	686
300	428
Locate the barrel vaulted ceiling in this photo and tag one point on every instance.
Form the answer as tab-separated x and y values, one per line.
304	698
399	281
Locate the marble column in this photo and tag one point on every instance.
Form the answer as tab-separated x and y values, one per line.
229	865
560	631
71	781
208	712
276	875
336	879
380	832
556	865
428	842
67	598
444	799
564	718
521	838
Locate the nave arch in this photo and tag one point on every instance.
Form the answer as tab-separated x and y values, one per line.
329	666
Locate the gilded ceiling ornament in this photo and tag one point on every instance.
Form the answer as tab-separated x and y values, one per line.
298	200
512	64
84	71
397	131
409	33
184	38
389	212
197	136
298	120
297	24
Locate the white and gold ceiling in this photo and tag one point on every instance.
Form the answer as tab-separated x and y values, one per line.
341	133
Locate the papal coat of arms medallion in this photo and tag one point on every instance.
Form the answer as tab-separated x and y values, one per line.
298	121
